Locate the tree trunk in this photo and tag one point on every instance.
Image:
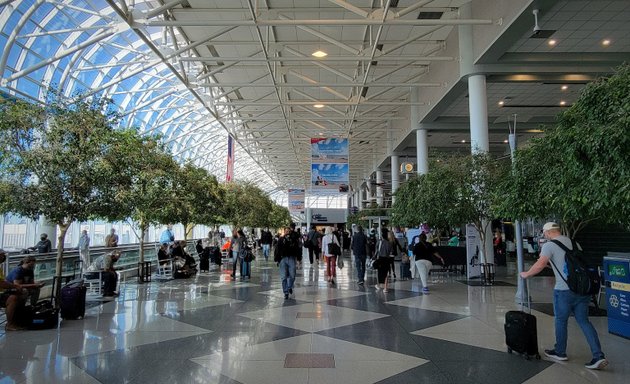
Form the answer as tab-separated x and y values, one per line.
143	230
63	229
188	227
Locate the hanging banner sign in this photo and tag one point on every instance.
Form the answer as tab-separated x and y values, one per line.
229	174
329	165
296	200
329	177
329	150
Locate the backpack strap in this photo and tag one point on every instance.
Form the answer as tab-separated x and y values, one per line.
566	252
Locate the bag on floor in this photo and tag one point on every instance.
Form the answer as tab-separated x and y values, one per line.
42	315
72	302
521	333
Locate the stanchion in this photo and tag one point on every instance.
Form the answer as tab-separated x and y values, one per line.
144	272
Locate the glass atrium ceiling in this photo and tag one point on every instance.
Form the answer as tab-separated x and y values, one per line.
86	48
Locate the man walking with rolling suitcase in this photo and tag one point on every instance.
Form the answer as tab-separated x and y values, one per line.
566	301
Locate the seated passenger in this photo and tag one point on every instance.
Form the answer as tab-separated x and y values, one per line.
11	297
163	256
23	277
43	245
105	265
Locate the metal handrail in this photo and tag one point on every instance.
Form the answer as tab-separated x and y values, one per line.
45	268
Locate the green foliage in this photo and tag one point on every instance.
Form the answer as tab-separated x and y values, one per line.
278	217
457	190
56	161
360	218
195	197
579	171
246	205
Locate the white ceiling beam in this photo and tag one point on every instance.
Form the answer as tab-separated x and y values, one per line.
60	55
326	59
314	82
319	64
222	68
325	102
317	84
60	31
160	10
315	22
351	8
412	8
324	37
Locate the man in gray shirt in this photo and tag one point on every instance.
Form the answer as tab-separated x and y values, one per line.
565	301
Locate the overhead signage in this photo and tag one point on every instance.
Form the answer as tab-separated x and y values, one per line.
327	150
329	177
329	165
296	200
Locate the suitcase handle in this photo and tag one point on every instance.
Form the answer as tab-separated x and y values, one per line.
526	293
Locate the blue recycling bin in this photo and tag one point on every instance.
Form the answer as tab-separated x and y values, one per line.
617	275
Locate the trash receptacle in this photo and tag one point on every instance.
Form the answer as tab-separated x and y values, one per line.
617	279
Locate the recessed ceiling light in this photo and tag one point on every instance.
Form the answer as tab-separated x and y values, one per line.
564	87
505	141
606	42
501	102
463	141
551	42
318	105
563	103
319	54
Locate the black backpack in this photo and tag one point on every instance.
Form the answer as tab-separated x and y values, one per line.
581	279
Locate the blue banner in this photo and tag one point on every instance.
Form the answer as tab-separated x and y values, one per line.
329	177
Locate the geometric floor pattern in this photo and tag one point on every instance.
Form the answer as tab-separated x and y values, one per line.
213	329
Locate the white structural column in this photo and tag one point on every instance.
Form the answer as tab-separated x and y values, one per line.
395	176
393	160
479	141
379	188
478	105
422	145
422	151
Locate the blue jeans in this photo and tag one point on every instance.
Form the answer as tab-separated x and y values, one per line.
265	248
359	263
287	273
566	302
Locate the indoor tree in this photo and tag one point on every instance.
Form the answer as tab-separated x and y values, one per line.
457	189
146	175
578	172
195	198
55	161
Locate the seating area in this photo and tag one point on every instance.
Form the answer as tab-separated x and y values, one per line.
215	329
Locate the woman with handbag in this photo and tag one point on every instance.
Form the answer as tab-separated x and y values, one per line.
331	250
383	250
424	253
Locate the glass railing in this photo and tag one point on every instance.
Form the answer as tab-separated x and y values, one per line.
127	265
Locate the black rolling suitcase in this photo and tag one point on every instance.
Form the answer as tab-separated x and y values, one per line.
72	300
204	264
405	270
521	334
42	315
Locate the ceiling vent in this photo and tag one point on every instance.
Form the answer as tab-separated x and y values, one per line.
430	15
540	33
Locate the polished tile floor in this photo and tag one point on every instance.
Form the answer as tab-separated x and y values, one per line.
210	329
